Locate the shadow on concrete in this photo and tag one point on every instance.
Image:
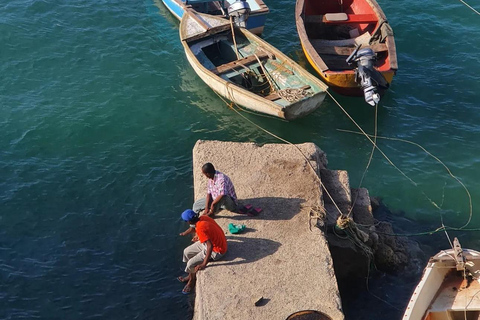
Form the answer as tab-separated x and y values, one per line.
243	250
273	208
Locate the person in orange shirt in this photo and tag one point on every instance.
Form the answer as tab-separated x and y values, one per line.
211	244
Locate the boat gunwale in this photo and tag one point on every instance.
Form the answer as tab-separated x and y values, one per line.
319	62
283	111
263	7
443	263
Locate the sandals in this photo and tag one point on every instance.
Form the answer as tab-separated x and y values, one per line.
187	290
249	210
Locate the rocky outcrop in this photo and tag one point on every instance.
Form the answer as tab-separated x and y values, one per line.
358	240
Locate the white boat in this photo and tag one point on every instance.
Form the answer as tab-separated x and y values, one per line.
449	288
248	71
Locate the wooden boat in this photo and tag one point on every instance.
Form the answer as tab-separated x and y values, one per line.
247	70
331	30
255	22
449	288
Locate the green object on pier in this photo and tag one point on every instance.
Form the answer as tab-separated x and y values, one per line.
236	228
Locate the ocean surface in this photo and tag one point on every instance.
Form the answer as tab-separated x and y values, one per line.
99	112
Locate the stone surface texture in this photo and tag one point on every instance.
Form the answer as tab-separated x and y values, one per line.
281	256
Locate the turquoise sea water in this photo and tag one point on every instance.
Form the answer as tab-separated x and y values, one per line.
99	114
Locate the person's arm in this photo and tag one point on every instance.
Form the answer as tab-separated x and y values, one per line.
207	256
217	199
208	200
188	231
222	192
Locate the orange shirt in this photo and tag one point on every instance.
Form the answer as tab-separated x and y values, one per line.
208	229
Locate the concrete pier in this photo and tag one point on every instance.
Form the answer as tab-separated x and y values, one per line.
281	256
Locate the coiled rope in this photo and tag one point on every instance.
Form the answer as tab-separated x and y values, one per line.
293	94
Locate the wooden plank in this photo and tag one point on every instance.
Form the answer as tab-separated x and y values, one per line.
238	63
214	30
200	21
352	18
273	97
314	18
336	62
362	39
346	51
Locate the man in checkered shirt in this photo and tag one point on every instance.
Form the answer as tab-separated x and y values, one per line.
220	192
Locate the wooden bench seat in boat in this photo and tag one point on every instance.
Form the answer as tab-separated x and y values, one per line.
363	39
346	51
240	63
341	18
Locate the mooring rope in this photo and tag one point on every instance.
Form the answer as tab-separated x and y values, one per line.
470	7
283	140
374	146
369	159
446	168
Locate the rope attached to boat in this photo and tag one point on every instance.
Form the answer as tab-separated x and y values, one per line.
270	81
281	139
233	38
443	227
293	94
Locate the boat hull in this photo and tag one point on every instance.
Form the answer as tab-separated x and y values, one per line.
443	292
253	101
255	22
342	79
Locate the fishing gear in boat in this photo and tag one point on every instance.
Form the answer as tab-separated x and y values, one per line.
239	11
370	79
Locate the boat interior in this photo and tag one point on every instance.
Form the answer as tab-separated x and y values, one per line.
334	28
254	68
213	7
458	297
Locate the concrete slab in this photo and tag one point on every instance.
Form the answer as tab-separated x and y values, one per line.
281	256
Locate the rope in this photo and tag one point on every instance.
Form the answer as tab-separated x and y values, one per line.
265	73
293	94
374	295
283	140
446	168
369	160
446	233
470	7
350	228
233	38
373	143
375	146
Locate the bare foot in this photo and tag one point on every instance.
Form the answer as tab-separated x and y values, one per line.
187	289
183	279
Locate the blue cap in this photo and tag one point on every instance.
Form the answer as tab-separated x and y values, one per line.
188	215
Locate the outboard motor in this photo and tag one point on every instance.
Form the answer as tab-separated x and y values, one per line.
239	11
370	80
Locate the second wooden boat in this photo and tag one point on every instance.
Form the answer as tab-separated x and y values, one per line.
222	8
349	43
246	70
449	288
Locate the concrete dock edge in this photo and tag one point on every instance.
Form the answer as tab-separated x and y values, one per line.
281	256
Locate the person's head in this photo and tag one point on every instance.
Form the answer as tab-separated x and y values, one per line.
190	216
208	170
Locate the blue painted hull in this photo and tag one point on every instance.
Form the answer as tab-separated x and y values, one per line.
255	22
